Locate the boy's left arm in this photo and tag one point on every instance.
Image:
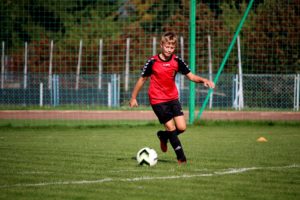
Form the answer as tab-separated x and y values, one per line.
198	79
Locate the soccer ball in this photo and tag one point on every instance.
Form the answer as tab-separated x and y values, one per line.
146	156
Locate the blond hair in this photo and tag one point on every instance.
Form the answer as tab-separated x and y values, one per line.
169	37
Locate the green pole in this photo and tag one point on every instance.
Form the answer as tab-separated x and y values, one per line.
192	59
237	32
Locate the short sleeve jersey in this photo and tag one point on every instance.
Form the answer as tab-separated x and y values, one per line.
162	75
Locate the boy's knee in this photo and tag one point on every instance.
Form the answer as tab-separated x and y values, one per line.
181	128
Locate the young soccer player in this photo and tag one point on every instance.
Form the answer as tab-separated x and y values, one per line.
163	93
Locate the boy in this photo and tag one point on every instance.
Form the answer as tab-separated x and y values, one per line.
163	94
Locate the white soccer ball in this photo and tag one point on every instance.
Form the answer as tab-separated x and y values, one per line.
146	156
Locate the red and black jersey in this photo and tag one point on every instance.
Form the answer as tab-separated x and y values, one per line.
162	74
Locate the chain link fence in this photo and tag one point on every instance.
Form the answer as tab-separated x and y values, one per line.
87	54
259	92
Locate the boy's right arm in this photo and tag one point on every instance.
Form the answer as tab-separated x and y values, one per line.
138	86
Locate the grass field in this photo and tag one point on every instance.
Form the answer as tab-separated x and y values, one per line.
98	162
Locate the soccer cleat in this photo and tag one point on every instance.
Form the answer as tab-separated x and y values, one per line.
163	141
181	162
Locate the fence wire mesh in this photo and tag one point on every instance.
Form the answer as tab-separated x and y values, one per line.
87	54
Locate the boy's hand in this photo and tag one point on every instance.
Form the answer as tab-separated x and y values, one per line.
133	103
208	83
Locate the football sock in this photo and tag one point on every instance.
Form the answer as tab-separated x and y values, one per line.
179	131
176	144
162	135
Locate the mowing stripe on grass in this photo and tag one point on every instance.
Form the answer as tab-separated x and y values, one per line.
184	176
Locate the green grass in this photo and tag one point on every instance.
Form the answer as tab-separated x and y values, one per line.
97	162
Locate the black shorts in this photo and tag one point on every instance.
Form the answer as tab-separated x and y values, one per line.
167	110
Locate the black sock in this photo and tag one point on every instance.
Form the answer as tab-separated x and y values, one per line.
163	135
179	131
176	144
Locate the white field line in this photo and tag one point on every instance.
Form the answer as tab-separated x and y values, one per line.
35	172
145	178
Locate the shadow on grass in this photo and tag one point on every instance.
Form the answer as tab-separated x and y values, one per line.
134	158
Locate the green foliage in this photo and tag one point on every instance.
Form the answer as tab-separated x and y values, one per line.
232	13
273	45
269	38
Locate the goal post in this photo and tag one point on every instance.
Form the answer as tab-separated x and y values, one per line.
192	59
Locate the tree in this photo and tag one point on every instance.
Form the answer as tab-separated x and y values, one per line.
272	42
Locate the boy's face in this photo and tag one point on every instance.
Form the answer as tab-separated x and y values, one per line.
167	49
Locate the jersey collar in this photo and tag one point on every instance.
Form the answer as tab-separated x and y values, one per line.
164	60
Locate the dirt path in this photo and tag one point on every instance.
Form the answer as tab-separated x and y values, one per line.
143	115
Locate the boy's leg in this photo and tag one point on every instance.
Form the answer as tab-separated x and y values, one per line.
180	124
171	130
176	144
170	114
162	111
163	137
